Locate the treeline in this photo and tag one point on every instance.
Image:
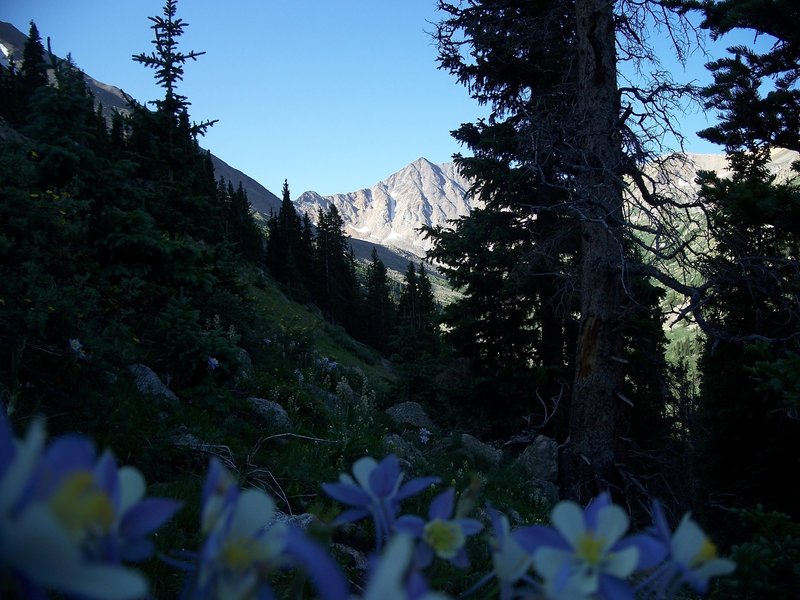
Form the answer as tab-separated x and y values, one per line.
119	246
117	243
316	264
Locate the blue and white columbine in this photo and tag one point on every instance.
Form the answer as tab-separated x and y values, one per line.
376	489
592	557
441	535
66	520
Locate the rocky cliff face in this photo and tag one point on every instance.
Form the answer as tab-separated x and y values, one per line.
391	211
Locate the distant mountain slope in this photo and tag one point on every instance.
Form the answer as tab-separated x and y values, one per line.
112	98
391	211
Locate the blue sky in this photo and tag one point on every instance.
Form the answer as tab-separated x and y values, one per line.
333	95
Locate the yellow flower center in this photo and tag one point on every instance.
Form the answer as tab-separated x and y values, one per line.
445	537
590	549
707	552
80	506
240	554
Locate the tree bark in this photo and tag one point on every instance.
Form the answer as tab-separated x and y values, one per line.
596	410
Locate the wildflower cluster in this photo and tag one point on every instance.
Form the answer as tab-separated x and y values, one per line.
71	521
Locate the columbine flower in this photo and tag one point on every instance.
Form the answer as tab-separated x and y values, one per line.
512	553
76	347
213	363
424	435
390	578
441	535
376	491
51	516
242	550
591	555
697	556
101	506
693	556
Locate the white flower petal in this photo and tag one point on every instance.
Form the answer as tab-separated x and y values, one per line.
386	582
687	541
37	545
715	568
612	523
108	582
18	473
254	509
362	469
549	561
132	488
567	518
621	564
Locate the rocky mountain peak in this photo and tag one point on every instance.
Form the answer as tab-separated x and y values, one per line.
391	212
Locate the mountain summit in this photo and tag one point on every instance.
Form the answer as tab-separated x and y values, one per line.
391	211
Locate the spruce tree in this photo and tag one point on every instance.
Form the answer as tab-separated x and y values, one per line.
33	72
164	142
379	309
336	289
415	341
749	402
284	247
564	136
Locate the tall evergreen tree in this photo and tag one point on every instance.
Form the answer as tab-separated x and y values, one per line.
33	72
750	376
336	289
168	62
415	341
379	310
284	246
566	125
164	142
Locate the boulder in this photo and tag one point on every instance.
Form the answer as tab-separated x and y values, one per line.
539	461
394	443
272	412
245	363
410	413
303	521
148	383
480	452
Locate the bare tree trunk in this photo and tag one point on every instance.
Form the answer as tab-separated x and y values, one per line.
595	414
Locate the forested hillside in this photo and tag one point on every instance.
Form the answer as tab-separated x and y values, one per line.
245	368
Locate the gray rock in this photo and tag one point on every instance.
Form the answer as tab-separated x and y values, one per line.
410	413
545	492
358	559
147	382
245	365
272	412
480	452
539	461
397	445
303	521
186	440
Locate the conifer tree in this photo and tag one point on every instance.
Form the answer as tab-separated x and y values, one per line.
750	365
284	246
336	287
564	135
415	341
164	142
33	72
379	310
168	62
305	256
